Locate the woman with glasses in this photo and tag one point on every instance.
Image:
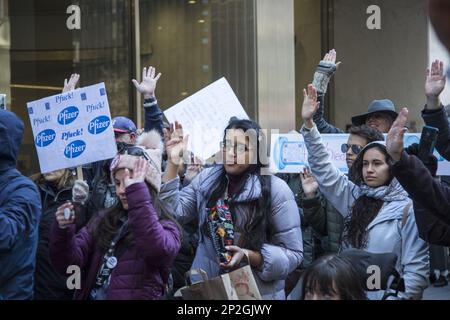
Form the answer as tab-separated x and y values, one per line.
241	211
378	214
125	252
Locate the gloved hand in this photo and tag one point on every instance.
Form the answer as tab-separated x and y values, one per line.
324	71
432	163
80	192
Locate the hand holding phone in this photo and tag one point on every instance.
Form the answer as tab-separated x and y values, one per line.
427	143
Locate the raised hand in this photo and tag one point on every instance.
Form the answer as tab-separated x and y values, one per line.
148	85
309	183
394	141
434	84
69	85
177	144
310	105
331	57
139	171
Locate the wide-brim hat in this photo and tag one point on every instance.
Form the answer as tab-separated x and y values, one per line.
383	106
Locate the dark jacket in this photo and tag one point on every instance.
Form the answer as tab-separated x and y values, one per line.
143	269
322	125
312	248
49	285
326	221
431	199
153	116
438	119
20	210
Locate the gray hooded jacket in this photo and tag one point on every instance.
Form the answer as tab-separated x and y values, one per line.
386	232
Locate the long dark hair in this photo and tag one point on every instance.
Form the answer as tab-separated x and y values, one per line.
256	229
365	208
107	225
333	276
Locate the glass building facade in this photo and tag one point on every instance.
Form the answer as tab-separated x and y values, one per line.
266	49
192	43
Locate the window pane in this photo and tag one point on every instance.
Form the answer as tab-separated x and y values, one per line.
43	52
195	42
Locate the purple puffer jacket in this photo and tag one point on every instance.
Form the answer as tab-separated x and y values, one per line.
142	269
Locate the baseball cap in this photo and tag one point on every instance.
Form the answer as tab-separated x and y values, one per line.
123	125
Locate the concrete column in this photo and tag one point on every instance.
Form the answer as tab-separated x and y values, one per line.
276	64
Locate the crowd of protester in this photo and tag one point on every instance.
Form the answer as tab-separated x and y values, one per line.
137	223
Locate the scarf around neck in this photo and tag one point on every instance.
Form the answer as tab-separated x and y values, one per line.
393	192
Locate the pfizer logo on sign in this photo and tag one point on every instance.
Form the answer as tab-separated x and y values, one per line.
45	138
67	126
68	115
75	149
99	125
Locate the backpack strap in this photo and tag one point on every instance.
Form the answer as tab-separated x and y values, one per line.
405	213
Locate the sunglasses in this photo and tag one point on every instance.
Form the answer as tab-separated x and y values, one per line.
135	151
355	148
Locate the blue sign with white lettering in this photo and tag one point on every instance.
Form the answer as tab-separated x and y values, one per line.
45	138
99	125
68	115
75	149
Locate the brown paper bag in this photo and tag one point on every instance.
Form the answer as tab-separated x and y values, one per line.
239	284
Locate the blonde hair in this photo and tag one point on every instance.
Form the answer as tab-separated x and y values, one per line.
67	180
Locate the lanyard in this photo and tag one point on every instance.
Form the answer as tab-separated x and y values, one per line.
109	260
221	229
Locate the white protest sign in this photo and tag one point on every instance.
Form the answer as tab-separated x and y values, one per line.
289	153
205	115
72	128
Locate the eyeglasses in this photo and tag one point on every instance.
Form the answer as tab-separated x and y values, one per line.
238	148
355	148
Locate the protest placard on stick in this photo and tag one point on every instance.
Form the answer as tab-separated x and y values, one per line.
205	115
73	128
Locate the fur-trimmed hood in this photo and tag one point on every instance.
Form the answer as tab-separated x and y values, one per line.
151	147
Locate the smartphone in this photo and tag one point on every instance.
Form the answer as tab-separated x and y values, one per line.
427	142
3	101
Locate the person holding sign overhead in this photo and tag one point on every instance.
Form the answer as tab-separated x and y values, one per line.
241	212
56	188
